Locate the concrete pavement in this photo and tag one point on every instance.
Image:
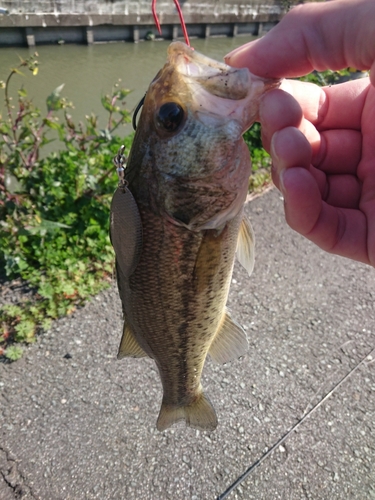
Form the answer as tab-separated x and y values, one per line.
78	424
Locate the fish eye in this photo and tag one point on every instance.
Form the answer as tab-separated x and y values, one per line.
170	116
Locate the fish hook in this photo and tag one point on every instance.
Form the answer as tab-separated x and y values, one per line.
136	111
180	15
186	36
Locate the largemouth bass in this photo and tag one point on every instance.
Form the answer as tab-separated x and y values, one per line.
178	221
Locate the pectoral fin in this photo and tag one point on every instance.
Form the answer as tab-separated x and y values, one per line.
246	245
129	346
126	230
230	341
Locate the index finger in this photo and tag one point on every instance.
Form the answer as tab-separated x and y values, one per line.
327	35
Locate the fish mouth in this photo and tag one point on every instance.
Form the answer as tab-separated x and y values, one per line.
217	78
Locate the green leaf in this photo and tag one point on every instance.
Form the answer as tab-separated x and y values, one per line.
5	128
54	99
52	124
17	71
22	92
46	290
43	227
25	331
13	352
106	134
12	311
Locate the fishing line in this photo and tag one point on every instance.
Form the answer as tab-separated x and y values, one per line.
136	111
291	430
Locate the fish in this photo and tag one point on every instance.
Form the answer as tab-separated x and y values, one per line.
177	222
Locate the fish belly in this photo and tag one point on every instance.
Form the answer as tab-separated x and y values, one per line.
174	303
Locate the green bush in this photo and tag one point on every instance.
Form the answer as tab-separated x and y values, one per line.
54	211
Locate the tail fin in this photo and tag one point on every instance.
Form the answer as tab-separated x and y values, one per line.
199	415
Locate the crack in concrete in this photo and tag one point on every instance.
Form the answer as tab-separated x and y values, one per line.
13	477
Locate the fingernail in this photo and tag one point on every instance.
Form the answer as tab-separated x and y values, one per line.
281	181
276	163
233	55
273	151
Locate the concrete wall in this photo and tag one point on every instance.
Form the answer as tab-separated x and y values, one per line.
86	21
143	7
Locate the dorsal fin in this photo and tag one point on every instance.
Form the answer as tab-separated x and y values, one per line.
246	245
126	230
129	346
230	341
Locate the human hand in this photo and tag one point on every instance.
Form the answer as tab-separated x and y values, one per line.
322	140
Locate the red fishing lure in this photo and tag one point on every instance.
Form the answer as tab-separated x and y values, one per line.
181	16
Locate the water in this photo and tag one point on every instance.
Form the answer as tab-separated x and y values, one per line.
89	72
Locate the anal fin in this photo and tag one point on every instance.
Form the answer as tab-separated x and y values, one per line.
199	415
246	246
129	346
230	341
